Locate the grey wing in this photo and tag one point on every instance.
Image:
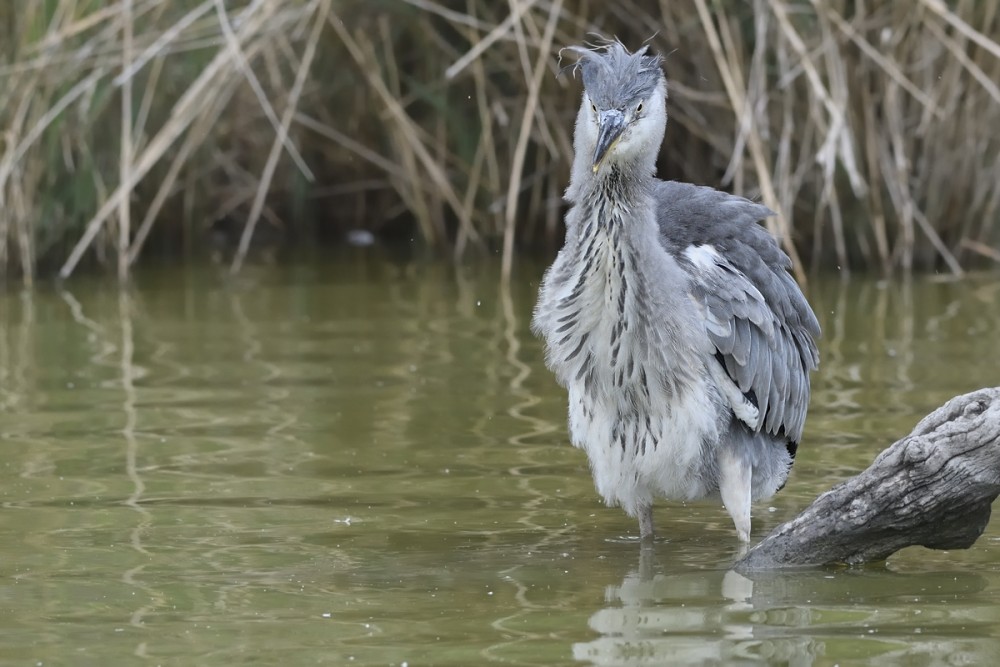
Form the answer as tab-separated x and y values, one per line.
766	355
762	327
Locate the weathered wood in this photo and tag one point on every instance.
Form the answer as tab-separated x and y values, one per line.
932	488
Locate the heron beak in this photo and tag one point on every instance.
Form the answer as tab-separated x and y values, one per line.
610	125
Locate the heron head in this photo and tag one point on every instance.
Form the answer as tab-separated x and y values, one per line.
624	113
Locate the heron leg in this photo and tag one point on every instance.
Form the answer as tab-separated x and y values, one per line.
646	522
734	486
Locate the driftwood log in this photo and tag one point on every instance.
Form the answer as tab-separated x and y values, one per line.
932	488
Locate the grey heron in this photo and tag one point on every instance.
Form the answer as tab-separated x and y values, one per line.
670	314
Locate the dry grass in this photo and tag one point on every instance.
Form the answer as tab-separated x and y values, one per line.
871	127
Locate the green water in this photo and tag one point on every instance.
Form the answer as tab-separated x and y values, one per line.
365	463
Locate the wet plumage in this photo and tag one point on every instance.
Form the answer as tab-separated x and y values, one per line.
670	315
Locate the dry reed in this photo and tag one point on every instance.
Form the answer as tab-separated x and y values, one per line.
870	127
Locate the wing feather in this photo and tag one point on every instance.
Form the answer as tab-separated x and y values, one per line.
764	375
741	349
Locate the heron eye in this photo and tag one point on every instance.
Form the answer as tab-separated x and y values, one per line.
594	107
638	109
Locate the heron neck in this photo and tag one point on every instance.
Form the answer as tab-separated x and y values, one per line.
616	193
628	183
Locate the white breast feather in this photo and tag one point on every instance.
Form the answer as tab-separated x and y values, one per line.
661	454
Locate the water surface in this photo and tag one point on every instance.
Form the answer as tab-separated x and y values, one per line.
363	461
